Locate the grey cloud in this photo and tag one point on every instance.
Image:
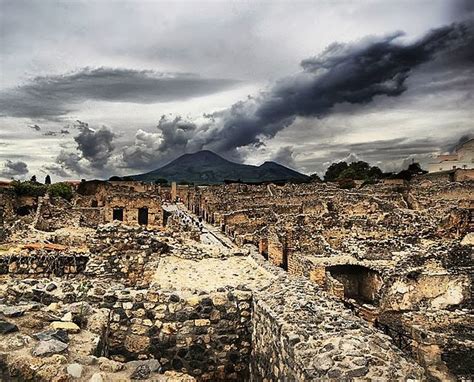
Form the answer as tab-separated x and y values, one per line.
462	9
463	139
175	135
94	150
285	156
52	97
96	146
35	127
55	170
11	169
343	74
390	154
143	152
71	161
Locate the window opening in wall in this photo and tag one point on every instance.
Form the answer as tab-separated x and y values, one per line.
118	214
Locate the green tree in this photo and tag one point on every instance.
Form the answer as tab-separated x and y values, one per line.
33	179
415	168
356	170
47	180
62	190
161	181
29	188
349	173
314	178
359	170
334	170
375	173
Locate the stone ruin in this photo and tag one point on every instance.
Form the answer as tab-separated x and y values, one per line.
238	282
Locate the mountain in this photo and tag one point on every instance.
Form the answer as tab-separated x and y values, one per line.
206	167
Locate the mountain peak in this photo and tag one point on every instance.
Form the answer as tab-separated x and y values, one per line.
207	167
199	157
270	163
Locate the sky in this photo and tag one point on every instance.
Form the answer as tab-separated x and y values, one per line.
91	89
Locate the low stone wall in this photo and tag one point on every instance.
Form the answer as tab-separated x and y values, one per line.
43	264
204	335
302	334
131	267
124	254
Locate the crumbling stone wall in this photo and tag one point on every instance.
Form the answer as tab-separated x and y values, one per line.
43	264
121	253
55	213
435	291
90	217
205	335
300	334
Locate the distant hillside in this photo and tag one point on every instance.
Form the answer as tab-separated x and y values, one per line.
206	167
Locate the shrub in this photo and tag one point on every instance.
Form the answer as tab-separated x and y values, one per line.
62	190
29	188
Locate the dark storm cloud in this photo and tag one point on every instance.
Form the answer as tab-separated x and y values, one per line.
349	74
96	146
343	73
11	169
51	97
451	148
94	149
462	9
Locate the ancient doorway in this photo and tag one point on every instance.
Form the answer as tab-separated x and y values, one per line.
360	283
166	215
118	214
143	216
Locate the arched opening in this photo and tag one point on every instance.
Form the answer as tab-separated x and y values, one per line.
360	283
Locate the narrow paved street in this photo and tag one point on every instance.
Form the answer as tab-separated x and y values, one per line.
209	234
